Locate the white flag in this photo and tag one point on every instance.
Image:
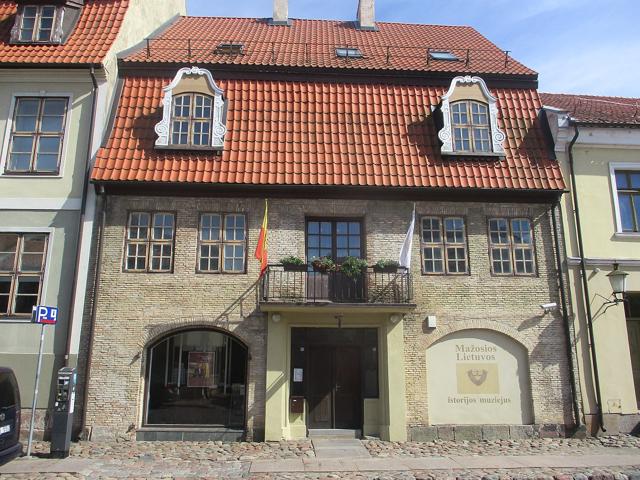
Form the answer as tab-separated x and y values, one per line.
405	251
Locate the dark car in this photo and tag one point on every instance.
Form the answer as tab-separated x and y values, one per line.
10	446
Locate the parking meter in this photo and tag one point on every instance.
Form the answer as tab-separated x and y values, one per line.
63	412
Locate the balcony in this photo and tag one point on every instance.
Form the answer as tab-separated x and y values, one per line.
372	288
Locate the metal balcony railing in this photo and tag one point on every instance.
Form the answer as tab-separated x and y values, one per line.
300	287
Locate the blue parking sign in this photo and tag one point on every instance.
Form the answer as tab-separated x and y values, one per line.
45	315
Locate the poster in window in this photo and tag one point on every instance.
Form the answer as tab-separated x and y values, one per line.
200	373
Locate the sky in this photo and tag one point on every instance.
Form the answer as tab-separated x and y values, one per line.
576	46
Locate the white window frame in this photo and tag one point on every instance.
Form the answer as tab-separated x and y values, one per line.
50	231
613	167
56	27
66	139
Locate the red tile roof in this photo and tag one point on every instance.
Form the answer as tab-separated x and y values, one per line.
89	43
614	111
312	44
316	133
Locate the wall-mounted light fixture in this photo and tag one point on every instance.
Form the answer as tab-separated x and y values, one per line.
548	307
276	317
618	280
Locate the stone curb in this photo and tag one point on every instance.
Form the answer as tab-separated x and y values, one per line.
595	475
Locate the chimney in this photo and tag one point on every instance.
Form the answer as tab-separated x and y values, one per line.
280	12
366	15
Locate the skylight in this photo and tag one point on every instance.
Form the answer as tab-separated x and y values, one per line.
442	55
230	48
346	52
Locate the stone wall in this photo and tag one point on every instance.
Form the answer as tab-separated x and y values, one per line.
134	309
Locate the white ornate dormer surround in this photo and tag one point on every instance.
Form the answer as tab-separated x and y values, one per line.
192	80
470	88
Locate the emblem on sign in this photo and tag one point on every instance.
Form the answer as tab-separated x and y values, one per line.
2	417
478	377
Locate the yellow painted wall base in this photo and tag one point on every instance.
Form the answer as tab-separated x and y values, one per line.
384	416
371	424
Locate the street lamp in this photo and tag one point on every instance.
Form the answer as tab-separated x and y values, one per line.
618	279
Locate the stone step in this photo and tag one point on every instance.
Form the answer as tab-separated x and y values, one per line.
333	433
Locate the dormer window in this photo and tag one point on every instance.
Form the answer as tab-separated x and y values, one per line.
470	119
37	24
193	115
471	129
191	123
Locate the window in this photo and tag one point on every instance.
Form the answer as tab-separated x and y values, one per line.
37	23
444	245
442	55
196	378
511	246
37	132
191	120
471	131
337	239
149	243
346	52
628	192
223	243
22	259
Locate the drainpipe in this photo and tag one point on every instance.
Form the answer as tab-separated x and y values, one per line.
565	317
83	209
583	274
102	202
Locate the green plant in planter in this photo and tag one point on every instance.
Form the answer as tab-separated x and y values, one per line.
388	266
293	264
323	264
352	267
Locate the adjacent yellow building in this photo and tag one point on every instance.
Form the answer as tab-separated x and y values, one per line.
597	141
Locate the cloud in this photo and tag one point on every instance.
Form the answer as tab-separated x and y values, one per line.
595	71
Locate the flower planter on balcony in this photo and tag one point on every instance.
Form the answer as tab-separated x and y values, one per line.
295	268
390	269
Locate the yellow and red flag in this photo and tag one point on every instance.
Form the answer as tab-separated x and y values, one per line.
261	249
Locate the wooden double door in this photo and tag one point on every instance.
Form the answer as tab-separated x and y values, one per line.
333	387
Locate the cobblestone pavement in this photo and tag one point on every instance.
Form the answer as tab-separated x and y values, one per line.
218	451
215	460
531	474
534	446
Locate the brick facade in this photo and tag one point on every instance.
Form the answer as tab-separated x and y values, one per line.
135	309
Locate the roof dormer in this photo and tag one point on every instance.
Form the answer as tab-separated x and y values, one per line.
193	112
470	120
45	21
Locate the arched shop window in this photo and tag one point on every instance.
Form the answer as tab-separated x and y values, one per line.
196	378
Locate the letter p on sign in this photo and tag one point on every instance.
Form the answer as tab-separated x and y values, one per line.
45	315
